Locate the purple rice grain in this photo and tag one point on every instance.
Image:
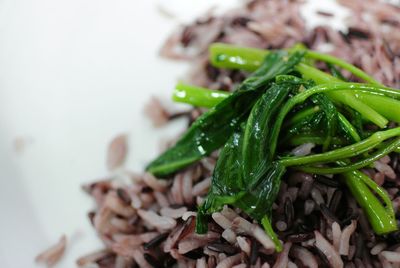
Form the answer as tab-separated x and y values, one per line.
359	246
255	246
322	256
353	216
328	214
106	261
223	248
322	226
212	261
147	189
240	21
366	257
187	36
91	215
195	254
388	51
310	223
289	212
188	228
212	72
124	196
394	247
152	260
156	241
177	115
169	261
204	20
327	181
324	13
358	263
300	237
335	200
357	33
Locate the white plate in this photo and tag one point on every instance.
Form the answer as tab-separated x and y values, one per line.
73	74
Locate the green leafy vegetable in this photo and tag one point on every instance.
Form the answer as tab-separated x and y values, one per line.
331	117
286	102
198	96
381	219
245	165
213	128
259	124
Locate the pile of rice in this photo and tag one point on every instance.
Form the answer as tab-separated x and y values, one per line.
150	222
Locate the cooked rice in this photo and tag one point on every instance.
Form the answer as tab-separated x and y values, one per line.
150	222
117	151
52	255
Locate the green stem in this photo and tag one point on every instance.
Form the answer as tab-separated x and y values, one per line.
388	107
360	164
234	57
343	64
270	232
344	152
349	128
301	97
198	96
311	138
347	98
300	115
380	192
382	220
335	72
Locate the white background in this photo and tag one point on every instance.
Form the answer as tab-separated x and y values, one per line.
73	74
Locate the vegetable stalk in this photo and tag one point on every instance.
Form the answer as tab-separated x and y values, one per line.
381	219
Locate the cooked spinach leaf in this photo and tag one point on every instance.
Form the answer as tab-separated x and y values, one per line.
330	117
259	124
211	130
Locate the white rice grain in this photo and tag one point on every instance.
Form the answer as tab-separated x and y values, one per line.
283	257
229	213
114	203
328	250
230	261
303	150
378	248
345	238
187	185
188	214
154	183
391	256
201	187
159	222
336	234
244	244
161	199
221	220
305	256
137	255
229	236
173	213
242	225
177	188
201	263
195	241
